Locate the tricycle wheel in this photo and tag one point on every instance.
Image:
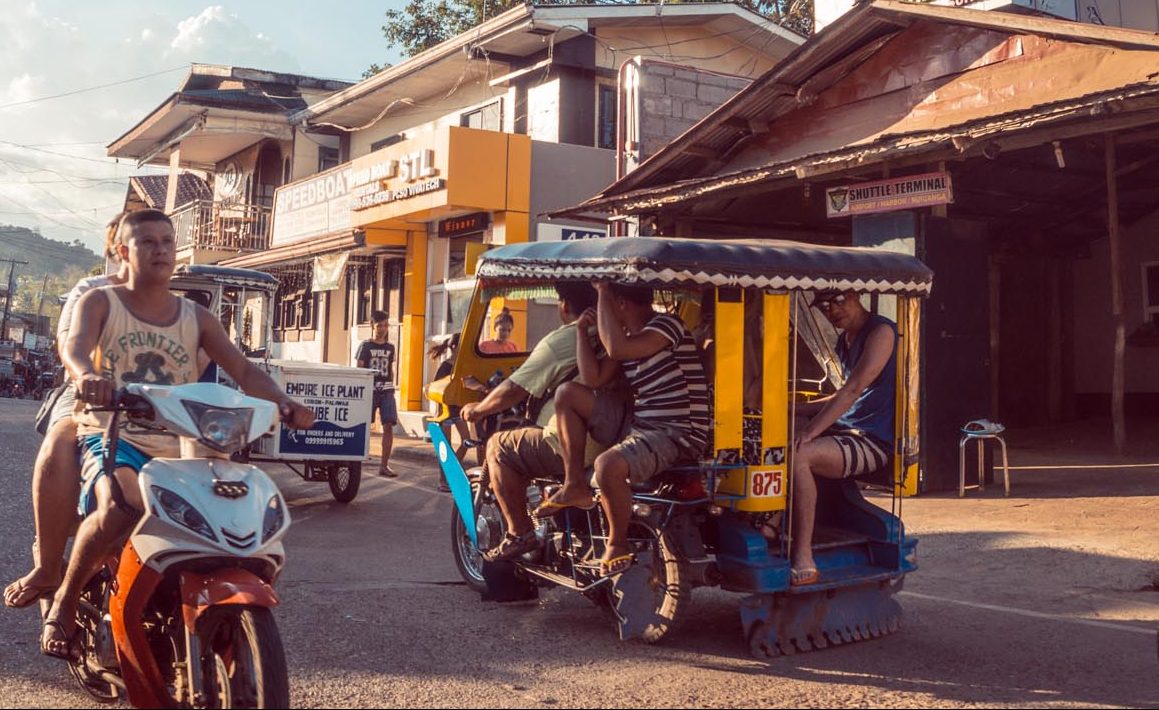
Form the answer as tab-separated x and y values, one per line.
344	479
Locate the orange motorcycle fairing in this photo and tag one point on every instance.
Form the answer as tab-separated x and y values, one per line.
227	586
144	682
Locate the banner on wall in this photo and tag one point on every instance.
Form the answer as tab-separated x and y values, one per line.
328	271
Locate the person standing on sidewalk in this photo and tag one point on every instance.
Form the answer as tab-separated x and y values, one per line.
378	355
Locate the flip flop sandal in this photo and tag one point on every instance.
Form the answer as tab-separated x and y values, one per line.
549	508
19	589
616	565
804	576
512	546
71	651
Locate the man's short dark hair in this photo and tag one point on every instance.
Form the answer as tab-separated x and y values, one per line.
639	295
378	316
132	219
577	296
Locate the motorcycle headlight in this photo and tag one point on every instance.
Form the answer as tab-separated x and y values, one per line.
226	430
182	512
274	519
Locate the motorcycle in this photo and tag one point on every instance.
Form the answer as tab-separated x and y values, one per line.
182	616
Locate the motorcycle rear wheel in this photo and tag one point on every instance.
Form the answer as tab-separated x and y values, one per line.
242	659
670	582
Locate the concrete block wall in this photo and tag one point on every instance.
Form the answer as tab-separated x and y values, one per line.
674	98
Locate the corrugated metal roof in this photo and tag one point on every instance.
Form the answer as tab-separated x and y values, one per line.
822	62
1086	112
154	188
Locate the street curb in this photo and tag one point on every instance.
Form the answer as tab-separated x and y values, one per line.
420	453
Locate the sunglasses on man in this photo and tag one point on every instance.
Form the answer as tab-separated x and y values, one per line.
824	304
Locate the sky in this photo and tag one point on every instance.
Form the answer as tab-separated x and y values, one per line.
54	175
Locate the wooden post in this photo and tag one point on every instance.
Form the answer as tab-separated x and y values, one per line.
1117	374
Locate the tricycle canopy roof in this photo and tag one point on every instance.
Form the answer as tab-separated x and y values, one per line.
775	265
227	276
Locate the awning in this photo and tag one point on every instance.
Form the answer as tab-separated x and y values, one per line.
775	265
300	252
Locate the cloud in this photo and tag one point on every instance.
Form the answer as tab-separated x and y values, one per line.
92	44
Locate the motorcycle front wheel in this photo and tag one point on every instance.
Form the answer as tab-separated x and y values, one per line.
489	530
242	659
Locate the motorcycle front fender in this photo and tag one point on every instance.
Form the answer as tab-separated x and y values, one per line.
456	479
200	592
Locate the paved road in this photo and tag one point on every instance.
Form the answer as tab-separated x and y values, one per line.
374	615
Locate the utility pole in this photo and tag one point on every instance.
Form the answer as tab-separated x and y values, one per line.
8	295
40	301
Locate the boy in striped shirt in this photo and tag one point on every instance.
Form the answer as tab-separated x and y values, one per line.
669	422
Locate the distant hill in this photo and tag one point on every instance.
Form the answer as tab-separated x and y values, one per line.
42	254
63	264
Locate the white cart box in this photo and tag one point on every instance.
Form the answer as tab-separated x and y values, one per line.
341	398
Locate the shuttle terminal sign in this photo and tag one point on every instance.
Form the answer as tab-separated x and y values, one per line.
889	195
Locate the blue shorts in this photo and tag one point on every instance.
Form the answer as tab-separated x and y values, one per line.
385	408
92	466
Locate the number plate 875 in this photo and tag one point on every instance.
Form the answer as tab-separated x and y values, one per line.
766	482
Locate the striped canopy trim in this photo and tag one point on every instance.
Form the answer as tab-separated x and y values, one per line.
510	277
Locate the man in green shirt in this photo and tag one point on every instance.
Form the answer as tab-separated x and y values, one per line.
515	456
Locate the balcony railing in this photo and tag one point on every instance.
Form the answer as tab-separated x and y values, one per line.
205	224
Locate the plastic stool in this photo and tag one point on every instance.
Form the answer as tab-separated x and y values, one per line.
980	430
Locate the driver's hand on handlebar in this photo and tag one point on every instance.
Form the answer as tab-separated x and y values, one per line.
295	415
94	390
469	412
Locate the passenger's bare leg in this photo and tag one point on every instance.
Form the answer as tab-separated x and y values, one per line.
611	472
99	536
55	487
820	457
510	491
574	404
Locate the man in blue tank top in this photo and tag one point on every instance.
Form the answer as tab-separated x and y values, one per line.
850	432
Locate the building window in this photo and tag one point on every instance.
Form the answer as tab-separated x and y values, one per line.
362	280
327	158
388	141
1151	293
605	116
487	118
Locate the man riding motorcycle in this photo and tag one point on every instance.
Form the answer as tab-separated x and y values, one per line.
138	332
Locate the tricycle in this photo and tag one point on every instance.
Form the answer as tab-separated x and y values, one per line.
720	520
335	449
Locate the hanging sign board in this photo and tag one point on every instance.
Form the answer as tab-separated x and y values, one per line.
312	207
901	193
328	271
462	226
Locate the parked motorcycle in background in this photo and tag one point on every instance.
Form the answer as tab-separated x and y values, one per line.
183	615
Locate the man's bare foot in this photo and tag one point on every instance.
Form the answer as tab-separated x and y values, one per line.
564	498
616	559
58	639
29	589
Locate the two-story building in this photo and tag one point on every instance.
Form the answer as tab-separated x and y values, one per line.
464	146
226	138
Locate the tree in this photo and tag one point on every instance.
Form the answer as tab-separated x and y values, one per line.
424	23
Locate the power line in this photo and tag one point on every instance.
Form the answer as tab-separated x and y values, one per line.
92	88
103	161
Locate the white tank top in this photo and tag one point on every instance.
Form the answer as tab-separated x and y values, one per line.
132	350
